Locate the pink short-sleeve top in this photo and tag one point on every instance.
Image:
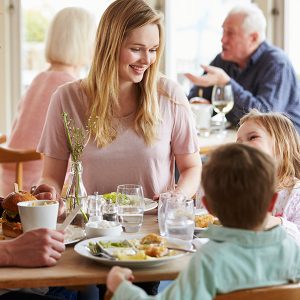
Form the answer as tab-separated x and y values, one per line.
28	126
127	159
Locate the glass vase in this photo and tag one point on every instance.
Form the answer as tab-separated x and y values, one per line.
76	195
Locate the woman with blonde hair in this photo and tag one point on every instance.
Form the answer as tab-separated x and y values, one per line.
140	121
275	134
69	47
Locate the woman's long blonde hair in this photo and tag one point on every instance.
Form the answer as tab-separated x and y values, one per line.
286	144
102	83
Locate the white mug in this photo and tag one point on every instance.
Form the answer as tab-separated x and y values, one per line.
202	113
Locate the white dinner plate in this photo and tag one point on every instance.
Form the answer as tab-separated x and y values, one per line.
150	204
199	212
73	234
82	249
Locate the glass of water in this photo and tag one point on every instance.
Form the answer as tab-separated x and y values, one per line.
180	218
162	203
130	206
94	204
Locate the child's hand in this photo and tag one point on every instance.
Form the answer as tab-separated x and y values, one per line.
115	277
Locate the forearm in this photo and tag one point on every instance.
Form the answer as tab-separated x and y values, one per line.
189	181
6	253
189	167
273	83
54	172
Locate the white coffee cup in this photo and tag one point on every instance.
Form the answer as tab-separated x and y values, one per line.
38	214
202	113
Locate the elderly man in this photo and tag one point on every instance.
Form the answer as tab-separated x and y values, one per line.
261	75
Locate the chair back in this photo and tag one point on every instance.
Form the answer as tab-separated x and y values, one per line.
280	292
2	138
18	156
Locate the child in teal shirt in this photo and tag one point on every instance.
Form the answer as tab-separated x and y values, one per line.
239	186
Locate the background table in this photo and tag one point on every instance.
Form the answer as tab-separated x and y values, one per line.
214	140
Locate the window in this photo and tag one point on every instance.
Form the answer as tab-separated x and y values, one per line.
291	37
36	16
23	26
194	30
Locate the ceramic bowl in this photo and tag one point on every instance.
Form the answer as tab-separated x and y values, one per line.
102	228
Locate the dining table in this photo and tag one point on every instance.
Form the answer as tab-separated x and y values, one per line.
75	270
216	139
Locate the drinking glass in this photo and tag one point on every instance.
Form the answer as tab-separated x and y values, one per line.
222	100
180	218
130	206
162	202
94	205
109	210
202	113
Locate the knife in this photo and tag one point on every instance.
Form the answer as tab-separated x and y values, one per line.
68	219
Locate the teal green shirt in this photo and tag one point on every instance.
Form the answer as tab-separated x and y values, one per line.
233	259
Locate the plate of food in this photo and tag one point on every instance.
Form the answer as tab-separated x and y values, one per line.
73	234
203	219
149	204
134	251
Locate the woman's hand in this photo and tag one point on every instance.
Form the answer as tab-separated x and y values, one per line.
48	192
35	248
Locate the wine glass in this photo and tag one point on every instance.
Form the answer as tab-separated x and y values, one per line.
130	206
222	100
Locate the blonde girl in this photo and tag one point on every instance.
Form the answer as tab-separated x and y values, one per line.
276	135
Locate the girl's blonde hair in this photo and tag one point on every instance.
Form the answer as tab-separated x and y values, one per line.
102	84
70	37
286	144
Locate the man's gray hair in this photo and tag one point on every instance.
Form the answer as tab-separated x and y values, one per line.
254	21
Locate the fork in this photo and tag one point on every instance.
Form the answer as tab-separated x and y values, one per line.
97	250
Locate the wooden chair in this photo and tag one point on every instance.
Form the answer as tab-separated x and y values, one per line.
10	155
2	138
280	292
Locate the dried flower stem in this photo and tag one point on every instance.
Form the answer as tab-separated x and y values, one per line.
77	138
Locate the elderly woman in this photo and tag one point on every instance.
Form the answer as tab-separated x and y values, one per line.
69	47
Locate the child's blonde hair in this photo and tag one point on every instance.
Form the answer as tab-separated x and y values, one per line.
286	144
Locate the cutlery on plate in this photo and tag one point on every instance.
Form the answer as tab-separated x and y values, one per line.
97	250
69	219
193	250
182	249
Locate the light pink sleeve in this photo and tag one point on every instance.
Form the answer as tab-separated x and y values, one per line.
184	135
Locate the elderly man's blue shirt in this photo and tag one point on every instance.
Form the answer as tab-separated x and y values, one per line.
268	83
